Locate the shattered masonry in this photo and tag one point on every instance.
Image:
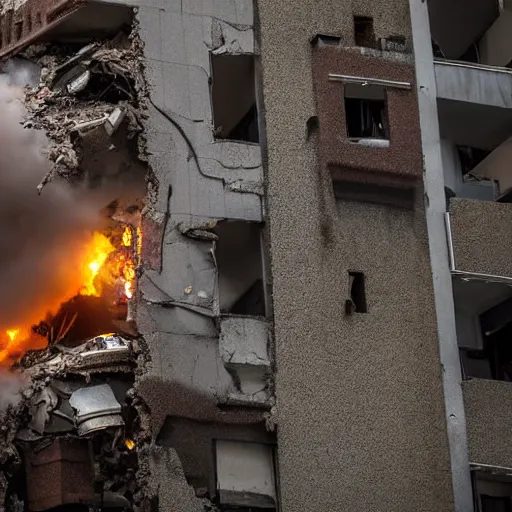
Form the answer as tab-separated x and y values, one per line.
133	415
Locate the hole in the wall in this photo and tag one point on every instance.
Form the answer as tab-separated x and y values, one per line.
239	261
233	92
364	34
358	292
366	112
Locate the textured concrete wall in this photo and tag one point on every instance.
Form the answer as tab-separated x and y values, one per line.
360	400
481	234
488	404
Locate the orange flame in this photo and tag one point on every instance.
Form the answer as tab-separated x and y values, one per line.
97	268
99	250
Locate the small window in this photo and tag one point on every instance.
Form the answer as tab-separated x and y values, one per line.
357	292
233	92
366	112
363	32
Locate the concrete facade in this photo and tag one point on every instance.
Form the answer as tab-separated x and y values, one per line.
368	386
487	405
480	231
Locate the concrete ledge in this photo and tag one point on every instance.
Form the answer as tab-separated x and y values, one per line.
471	83
488	405
481	232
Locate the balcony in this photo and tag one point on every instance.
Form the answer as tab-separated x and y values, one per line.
479	235
470	96
488	406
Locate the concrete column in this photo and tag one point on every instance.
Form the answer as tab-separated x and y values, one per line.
435	210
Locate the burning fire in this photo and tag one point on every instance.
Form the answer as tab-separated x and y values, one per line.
99	250
103	264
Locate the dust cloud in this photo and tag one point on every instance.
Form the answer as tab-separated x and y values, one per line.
42	237
12	385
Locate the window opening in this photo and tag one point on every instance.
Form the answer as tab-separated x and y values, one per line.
240	269
364	34
357	292
233	95
366	112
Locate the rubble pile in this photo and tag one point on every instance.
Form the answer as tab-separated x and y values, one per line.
80	89
72	440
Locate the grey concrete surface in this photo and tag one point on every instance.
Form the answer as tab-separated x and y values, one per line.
471	83
481	233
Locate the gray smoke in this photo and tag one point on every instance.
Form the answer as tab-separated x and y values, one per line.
42	237
12	385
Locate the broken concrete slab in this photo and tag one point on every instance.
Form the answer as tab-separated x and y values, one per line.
244	340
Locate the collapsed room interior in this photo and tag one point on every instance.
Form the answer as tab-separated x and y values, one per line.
146	376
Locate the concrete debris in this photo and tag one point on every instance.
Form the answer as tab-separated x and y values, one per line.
96	408
96	86
66	405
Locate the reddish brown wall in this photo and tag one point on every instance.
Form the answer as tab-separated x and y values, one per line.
21	27
399	165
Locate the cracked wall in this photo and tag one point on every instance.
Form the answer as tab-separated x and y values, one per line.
197	182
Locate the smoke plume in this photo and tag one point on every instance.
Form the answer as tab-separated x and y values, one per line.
12	385
42	237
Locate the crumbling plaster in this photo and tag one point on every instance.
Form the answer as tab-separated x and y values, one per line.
360	399
197	180
481	231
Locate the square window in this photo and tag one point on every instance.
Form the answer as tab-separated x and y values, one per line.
366	112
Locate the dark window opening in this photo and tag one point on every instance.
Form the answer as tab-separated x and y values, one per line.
233	93
366	112
18	30
358	292
240	271
39	19
364	34
494	504
494	361
470	157
29	22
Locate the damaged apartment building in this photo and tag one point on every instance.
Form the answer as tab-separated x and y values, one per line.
254	255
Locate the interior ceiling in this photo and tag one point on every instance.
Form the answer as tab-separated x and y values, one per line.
477	295
456	24
472	124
